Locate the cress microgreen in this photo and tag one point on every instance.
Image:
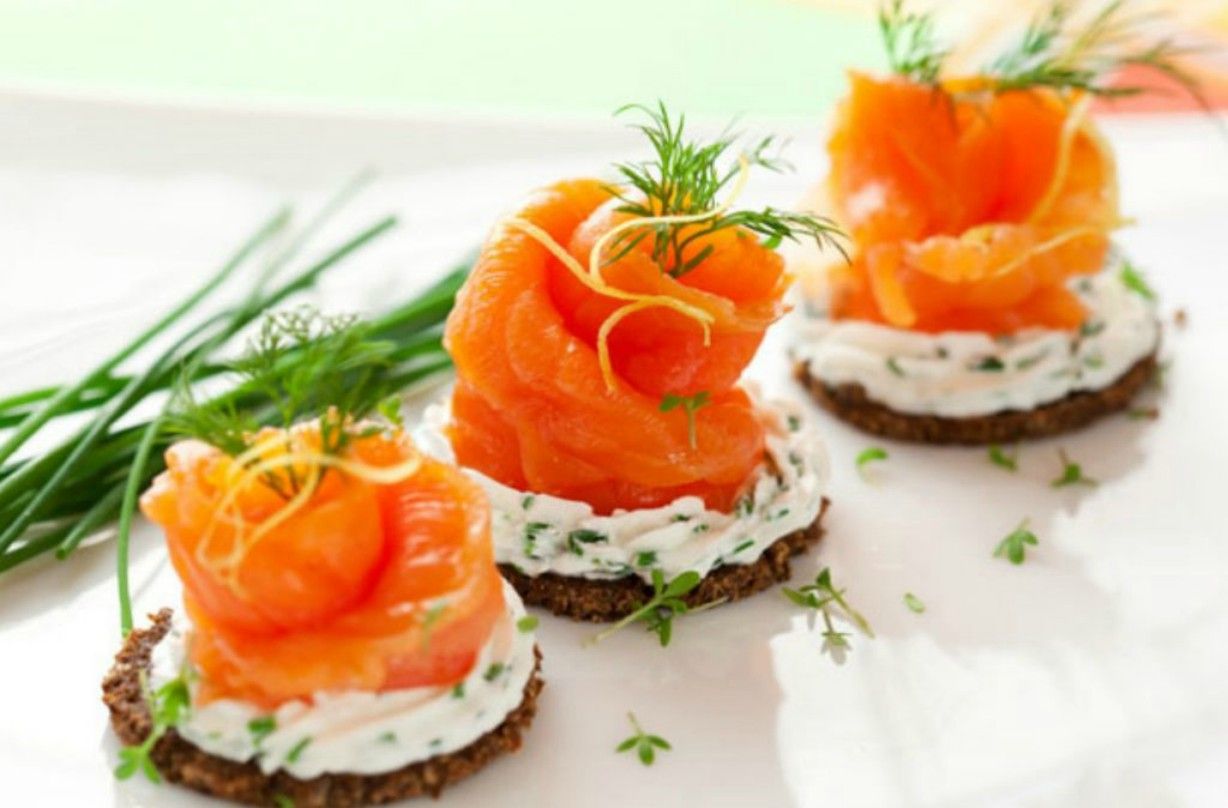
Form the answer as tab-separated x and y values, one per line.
1014	547
999	457
433	615
828	601
527	623
914	603
1072	473
665	604
690	405
685	178
870	455
644	744
167	707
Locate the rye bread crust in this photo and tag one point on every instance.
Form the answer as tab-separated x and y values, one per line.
849	403
602	601
181	762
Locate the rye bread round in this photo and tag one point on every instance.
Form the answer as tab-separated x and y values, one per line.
182	762
602	601
850	403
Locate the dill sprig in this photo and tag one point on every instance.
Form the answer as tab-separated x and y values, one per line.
302	362
685	178
1051	53
912	48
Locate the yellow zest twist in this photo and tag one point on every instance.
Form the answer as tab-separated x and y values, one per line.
593	279
243	473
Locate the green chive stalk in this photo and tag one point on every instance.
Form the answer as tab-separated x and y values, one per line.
56	500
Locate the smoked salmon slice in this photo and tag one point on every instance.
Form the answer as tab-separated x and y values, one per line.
969	209
364	585
532	407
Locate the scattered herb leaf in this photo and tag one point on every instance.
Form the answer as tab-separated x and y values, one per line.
914	603
999	457
527	623
429	620
666	603
645	745
870	455
691	405
1133	278
1072	473
167	706
824	598
1014	546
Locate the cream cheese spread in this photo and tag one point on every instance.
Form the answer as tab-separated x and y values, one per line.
538	533
963	374
361	732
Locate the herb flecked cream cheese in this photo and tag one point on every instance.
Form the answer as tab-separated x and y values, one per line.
964	374
361	732
539	533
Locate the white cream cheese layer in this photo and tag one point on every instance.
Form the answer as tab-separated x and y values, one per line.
539	533
362	732
961	374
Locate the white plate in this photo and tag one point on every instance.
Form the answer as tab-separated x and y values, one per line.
1093	675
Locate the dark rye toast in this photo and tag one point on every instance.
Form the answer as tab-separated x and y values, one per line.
602	601
182	762
849	403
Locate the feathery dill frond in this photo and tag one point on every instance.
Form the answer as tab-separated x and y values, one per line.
685	178
1052	54
299	363
912	47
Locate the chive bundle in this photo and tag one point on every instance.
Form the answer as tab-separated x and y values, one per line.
53	501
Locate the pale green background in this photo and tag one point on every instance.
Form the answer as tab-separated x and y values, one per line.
531	56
